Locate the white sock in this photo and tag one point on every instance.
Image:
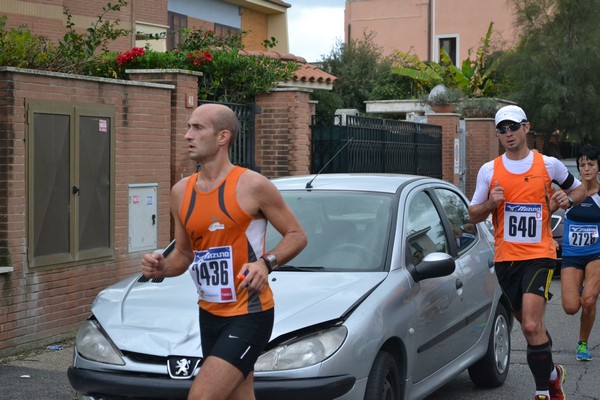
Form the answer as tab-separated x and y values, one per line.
543	393
553	374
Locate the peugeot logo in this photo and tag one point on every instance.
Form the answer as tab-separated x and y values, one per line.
181	367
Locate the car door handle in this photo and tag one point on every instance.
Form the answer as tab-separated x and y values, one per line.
459	284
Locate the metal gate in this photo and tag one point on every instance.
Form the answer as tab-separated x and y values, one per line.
242	151
363	144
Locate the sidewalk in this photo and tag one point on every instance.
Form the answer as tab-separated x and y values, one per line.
39	374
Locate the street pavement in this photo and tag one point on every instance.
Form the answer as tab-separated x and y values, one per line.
583	378
42	374
37	375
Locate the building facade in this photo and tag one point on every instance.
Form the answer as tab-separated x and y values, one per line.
425	27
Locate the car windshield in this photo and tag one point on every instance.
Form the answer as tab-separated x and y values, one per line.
346	230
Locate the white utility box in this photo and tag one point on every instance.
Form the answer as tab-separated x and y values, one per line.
143	216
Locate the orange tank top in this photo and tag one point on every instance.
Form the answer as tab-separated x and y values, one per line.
522	223
223	237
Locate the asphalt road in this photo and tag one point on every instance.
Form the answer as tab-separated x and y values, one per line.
37	375
583	378
42	374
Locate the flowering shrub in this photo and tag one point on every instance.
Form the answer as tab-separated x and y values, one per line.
198	57
129	56
227	75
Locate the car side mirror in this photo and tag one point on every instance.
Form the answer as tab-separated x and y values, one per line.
433	265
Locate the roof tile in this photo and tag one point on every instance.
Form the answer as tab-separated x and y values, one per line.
306	73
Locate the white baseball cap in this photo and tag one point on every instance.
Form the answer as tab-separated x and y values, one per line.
510	113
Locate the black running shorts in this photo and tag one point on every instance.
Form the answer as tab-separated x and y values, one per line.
238	340
527	276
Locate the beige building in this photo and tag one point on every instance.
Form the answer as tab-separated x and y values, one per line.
422	27
163	19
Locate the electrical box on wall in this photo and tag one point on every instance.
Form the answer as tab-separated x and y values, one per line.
143	218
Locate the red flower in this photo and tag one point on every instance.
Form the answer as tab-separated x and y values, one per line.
198	57
206	55
130	55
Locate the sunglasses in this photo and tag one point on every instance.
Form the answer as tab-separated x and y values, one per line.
513	127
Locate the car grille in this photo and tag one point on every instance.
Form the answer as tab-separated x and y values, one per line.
146	358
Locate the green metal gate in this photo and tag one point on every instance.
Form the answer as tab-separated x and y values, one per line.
375	145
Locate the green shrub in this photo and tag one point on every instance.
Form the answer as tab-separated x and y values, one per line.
20	48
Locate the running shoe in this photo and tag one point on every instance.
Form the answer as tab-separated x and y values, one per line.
541	397
582	352
556	386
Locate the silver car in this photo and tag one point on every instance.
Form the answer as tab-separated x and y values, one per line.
394	296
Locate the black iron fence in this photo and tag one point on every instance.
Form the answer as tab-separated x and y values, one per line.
242	151
375	145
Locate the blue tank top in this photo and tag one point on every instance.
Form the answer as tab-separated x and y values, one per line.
581	228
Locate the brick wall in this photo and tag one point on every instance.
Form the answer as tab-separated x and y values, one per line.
38	305
41	305
450	131
482	146
196	23
283	133
153	11
256	24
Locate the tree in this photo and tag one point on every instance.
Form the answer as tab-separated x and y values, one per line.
553	71
361	73
473	77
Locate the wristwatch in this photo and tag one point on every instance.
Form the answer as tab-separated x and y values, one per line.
571	202
270	261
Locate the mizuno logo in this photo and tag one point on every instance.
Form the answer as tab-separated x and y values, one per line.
583	229
524	207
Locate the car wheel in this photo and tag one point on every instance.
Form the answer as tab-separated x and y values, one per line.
491	371
384	379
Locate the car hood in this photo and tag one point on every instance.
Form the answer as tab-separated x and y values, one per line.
162	318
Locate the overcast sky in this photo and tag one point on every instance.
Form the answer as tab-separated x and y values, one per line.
314	27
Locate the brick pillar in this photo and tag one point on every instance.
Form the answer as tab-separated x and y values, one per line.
283	134
450	123
184	99
13	154
482	146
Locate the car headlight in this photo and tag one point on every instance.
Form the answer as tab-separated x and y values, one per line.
94	345
303	352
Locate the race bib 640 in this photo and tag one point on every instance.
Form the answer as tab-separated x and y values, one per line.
522	222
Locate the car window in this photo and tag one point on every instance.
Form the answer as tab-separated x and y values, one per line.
457	212
346	230
424	229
